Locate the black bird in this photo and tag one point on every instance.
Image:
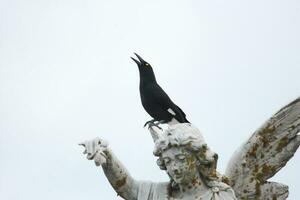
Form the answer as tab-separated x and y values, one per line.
154	99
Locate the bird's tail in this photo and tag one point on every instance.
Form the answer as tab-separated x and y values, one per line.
182	116
186	121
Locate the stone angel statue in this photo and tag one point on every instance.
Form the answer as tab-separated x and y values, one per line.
192	166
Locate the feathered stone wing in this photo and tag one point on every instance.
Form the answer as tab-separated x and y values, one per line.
264	154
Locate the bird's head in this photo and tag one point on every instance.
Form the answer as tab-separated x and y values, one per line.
146	71
141	62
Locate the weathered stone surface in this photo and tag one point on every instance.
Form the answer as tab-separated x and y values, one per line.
192	165
182	153
264	154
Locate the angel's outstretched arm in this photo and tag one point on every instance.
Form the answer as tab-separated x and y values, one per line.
116	173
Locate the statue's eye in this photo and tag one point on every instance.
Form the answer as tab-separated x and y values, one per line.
181	157
166	160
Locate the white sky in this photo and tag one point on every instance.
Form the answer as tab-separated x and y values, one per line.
66	76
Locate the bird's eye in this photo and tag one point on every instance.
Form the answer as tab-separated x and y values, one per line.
147	65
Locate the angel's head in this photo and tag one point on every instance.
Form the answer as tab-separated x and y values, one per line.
182	152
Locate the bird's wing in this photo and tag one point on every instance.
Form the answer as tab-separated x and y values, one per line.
167	104
264	154
182	116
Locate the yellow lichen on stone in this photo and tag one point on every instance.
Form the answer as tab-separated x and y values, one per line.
282	143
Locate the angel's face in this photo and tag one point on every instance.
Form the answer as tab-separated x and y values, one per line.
180	164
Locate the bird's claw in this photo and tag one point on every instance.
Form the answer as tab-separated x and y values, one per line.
148	122
152	123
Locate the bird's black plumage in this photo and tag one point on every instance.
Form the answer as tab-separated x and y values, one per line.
154	99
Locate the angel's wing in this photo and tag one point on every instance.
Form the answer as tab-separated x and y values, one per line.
264	154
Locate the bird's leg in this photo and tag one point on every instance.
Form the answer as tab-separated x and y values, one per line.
160	122
151	123
154	124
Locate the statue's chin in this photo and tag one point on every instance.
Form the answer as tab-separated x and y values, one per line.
180	179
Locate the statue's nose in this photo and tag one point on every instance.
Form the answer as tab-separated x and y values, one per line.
176	169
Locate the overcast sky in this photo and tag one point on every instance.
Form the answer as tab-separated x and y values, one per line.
66	76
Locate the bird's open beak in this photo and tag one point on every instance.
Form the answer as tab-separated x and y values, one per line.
140	58
138	62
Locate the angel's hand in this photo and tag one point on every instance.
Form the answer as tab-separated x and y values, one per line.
96	149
